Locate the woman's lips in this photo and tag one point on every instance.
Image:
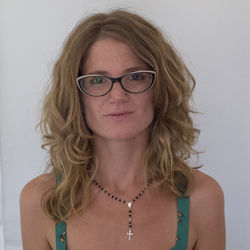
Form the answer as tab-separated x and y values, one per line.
118	116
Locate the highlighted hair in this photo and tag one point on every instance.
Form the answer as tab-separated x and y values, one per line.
65	131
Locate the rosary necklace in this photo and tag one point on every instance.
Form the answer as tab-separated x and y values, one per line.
129	204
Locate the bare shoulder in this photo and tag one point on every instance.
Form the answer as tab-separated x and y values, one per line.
205	187
39	182
207	212
34	190
34	222
207	195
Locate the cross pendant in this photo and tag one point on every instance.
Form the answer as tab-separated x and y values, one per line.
129	234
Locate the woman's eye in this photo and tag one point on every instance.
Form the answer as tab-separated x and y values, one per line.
136	77
97	80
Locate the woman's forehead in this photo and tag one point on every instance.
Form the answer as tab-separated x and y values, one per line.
111	56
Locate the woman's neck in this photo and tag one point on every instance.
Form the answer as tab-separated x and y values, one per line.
120	163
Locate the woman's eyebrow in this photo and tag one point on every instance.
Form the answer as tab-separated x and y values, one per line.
135	69
97	72
102	72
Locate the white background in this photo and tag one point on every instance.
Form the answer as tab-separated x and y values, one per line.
214	38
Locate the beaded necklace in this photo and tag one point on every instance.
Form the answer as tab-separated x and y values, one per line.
129	204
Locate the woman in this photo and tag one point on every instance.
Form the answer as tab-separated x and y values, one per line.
117	125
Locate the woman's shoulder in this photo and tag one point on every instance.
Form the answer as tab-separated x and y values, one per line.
205	187
34	192
207	211
36	187
34	222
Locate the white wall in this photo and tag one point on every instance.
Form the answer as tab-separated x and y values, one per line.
213	37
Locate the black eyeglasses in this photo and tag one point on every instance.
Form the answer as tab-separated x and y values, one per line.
100	85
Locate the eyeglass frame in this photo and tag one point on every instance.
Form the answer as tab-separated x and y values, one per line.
117	79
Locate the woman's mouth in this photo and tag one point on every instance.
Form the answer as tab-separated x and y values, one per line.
119	115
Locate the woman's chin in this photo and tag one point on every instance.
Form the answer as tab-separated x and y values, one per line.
122	135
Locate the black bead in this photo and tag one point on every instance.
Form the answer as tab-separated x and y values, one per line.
133	200
139	194
124	202
112	196
137	197
120	200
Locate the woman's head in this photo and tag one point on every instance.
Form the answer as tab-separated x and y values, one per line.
171	132
143	38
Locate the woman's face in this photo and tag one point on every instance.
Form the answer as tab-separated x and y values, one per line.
119	115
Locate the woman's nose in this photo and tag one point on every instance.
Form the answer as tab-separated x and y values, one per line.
118	93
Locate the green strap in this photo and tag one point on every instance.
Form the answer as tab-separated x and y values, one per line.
60	227
183	223
61	235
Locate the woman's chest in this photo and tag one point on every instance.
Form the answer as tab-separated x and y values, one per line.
112	231
152	225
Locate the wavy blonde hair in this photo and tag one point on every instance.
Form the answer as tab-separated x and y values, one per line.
65	131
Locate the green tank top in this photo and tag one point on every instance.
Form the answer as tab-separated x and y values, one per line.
183	205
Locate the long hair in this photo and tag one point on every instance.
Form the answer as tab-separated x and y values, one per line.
172	134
